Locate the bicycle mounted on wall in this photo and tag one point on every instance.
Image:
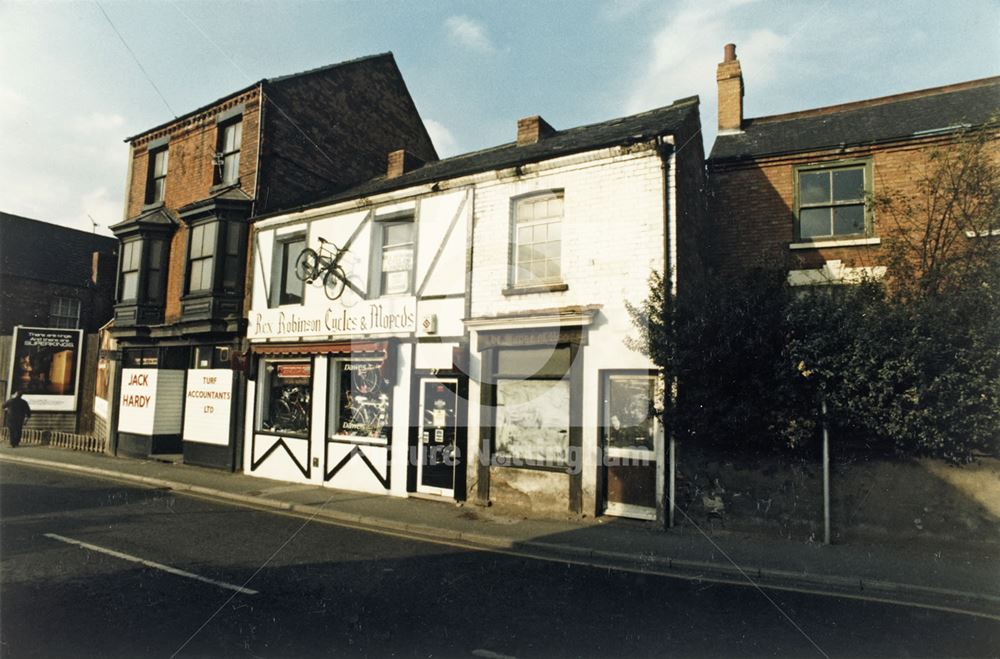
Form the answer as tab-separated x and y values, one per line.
311	265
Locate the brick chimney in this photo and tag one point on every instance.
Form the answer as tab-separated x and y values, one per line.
532	129
730	79
401	162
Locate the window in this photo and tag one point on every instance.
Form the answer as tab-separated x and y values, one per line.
286	393
155	272
290	289
537	238
393	260
831	201
157	176
361	398
64	312
128	284
232	267
629	416
202	257
227	158
533	406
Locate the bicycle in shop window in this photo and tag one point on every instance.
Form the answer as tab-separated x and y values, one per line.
323	265
290	411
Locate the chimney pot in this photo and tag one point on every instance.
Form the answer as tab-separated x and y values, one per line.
730	53
532	129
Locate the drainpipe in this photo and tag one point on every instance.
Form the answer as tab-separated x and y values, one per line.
826	475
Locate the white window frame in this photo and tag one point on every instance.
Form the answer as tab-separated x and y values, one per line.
72	309
519	277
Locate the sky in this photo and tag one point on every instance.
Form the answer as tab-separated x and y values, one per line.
77	78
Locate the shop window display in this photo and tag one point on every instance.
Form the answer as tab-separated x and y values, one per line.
363	400
287	404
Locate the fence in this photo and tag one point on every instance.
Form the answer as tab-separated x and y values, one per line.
59	439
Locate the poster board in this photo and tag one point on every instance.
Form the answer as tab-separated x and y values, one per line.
45	367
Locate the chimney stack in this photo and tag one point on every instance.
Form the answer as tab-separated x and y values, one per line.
401	162
730	79
532	129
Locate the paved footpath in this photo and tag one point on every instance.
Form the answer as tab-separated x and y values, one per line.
952	579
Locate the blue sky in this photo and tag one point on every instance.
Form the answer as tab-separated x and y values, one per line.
70	91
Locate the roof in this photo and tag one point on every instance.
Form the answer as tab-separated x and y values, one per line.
262	81
890	118
48	252
622	131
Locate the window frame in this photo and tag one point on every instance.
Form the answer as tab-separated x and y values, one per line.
221	154
264	397
280	270
336	370
865	165
156	194
217	227
132	249
515	279
380	227
57	301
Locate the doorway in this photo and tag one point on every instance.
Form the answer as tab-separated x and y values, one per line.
631	442
437	432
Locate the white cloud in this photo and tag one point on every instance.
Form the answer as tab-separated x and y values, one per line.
684	52
444	141
470	33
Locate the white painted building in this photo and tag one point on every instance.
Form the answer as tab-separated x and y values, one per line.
465	332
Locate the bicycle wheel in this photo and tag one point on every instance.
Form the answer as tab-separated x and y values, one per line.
306	265
365	379
333	282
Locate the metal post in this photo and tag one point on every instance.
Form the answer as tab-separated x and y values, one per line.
673	478
826	477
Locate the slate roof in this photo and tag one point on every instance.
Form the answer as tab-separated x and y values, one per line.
913	114
262	81
48	252
635	128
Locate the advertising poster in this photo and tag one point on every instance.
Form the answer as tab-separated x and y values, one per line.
45	366
103	383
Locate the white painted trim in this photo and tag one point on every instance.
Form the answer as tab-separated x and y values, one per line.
982	234
529	322
823	244
833	273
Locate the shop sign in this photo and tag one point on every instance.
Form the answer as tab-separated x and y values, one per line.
208	405
45	366
296	370
366	317
150	401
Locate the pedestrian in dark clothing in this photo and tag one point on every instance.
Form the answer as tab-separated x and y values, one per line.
16	412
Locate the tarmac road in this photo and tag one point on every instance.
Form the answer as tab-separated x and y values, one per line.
95	568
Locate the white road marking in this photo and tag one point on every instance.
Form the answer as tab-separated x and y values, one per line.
489	654
152	564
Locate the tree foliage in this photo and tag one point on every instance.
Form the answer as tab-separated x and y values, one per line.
910	364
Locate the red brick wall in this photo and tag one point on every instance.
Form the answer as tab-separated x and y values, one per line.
191	175
751	205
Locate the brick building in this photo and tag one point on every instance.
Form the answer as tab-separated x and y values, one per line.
791	190
472	340
63	280
194	184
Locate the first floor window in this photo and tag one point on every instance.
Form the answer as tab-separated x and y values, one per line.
128	284
629	415
533	406
286	397
831	201
538	239
361	398
201	257
64	312
287	287
394	258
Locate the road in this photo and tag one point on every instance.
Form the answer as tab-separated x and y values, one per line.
160	576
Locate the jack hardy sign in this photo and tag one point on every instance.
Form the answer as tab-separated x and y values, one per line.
384	316
208	406
150	401
45	366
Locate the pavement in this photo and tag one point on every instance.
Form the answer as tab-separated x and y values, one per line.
952	578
